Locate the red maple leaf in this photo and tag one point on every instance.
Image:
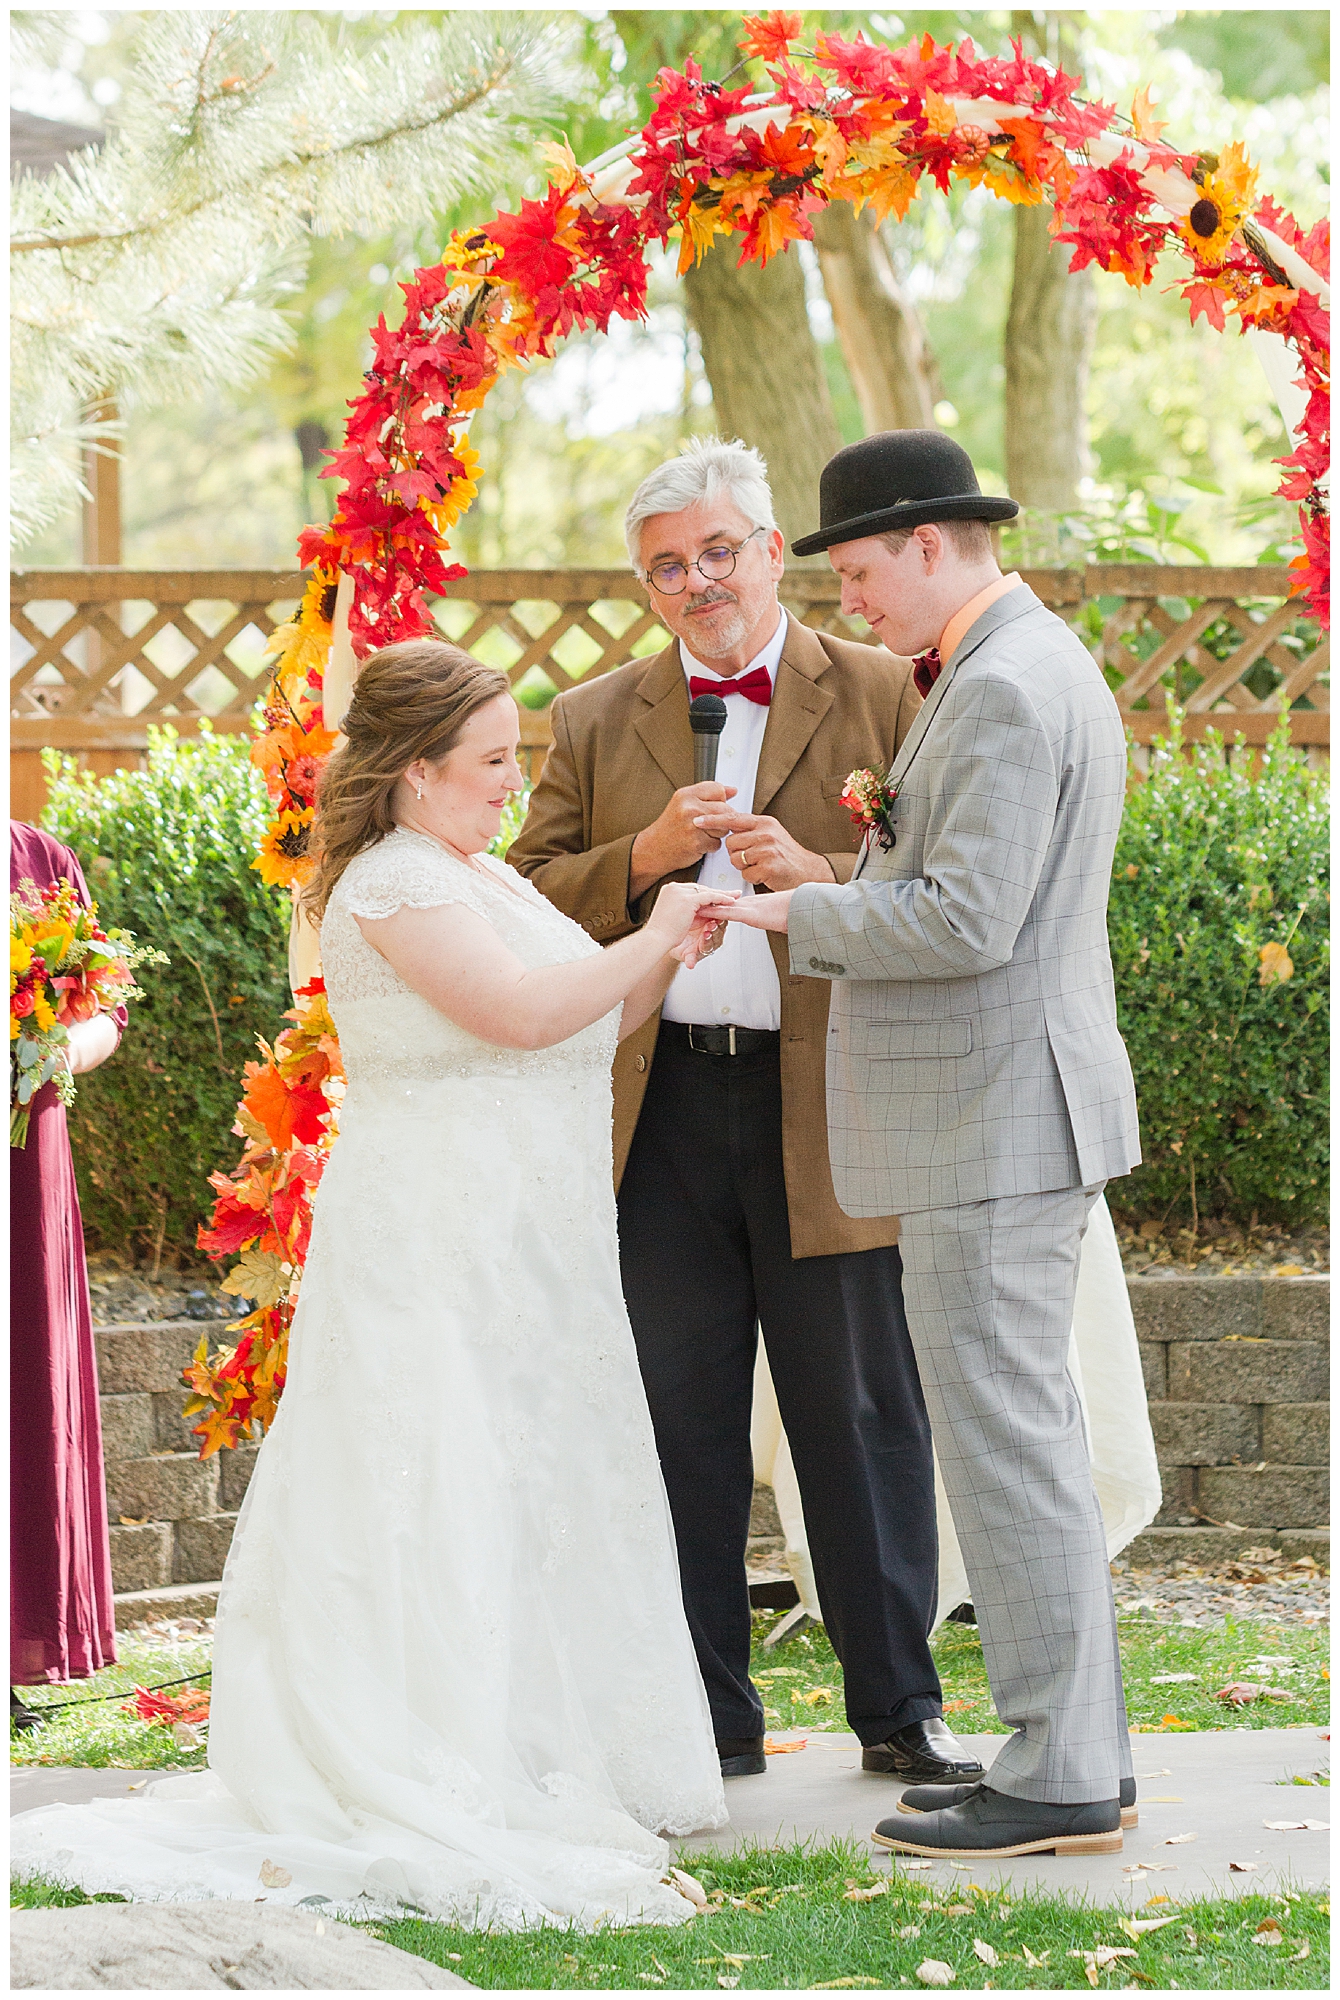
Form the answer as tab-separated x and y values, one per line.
1205	298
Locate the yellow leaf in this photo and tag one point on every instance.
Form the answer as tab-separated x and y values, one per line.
273	1876
259	1275
853	1894
1147	126
1135	1927
940	114
1276	965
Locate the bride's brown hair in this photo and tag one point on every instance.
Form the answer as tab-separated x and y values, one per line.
410	701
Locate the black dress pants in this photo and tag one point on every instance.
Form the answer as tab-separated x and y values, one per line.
706	1256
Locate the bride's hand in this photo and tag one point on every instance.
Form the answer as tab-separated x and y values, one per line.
761	913
674	919
705	938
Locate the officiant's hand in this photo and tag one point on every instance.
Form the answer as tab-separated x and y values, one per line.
763	850
673	841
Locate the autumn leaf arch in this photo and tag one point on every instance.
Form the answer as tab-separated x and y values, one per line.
843	121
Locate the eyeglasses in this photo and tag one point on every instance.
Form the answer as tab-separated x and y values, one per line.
672	578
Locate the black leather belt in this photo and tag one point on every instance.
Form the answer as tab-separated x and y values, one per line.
722	1041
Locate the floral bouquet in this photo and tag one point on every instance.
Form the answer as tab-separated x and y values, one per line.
63	967
869	799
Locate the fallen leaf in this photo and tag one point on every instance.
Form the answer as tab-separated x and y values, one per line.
911	1864
958	1909
689	1887
186	1736
1178	1839
133	1520
1297	1825
1135	1874
773	1748
934	1972
1104	1954
729	1980
1242	1867
1268	1932
985	1952
1030	1960
1091	1973
819	1697
825	1985
273	1876
1304	1951
1276	964
1160	1898
1145	1775
910	1931
1166	1680
1135	1927
853	1894
950	1707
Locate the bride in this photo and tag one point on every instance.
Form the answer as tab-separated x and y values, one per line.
451	1665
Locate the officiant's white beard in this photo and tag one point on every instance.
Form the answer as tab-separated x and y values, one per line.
724	634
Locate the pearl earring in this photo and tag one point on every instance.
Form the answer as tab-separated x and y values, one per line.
418	791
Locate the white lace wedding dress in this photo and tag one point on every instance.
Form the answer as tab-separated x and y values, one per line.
451	1665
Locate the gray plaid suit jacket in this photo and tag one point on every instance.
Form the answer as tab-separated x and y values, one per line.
973	1049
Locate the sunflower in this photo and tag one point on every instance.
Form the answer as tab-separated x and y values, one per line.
1227	184
283	860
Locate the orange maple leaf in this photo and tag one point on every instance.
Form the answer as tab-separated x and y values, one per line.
291	1114
769	35
1147	126
1033	149
775	228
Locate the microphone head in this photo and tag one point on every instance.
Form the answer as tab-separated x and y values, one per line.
707	715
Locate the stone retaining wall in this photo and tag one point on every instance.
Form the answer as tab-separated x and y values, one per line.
1236	1371
1237	1374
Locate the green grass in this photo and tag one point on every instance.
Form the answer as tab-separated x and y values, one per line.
98	1733
800	1681
783	1918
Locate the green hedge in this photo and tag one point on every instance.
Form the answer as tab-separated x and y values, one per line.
167	853
1214	865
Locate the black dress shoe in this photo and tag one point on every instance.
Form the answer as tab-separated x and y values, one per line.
741	1756
989	1824
926	1751
931	1798
21	1717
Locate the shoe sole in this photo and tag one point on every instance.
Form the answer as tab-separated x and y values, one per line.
1130	1815
971	1774
744	1767
1058	1844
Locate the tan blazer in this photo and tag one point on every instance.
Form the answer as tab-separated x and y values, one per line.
622	746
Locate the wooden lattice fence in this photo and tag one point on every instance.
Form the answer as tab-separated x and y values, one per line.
98	655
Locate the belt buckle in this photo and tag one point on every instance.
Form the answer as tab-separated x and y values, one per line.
730	1035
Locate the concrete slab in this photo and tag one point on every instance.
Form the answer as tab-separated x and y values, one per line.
1220	1785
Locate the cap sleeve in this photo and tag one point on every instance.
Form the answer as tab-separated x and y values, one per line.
404	874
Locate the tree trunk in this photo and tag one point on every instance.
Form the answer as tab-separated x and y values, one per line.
883	343
766	372
1048	334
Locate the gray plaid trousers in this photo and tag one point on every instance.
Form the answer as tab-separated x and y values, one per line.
990	1293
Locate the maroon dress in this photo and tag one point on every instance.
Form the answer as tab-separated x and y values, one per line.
62	1623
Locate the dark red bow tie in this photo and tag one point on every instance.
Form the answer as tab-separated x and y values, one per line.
756	685
926	670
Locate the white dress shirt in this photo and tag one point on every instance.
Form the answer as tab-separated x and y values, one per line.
736	985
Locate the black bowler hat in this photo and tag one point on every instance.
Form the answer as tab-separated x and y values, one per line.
898	479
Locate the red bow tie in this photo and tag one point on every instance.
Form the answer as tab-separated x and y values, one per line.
926	670
756	685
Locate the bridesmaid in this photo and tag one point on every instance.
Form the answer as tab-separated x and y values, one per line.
62	1624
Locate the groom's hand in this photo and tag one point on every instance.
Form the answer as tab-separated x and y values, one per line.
763	850
675	840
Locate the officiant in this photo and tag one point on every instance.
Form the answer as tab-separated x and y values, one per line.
727	1217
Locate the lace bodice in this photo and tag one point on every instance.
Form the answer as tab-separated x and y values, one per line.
386	1030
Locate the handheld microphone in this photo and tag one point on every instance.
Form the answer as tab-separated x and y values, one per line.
707	719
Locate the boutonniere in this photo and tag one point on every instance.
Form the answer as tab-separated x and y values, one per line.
869	799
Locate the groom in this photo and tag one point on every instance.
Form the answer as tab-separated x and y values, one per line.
726	1208
978	1085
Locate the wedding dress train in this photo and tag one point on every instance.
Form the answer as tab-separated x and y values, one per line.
451	1665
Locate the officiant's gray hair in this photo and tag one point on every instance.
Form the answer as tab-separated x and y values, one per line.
708	468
